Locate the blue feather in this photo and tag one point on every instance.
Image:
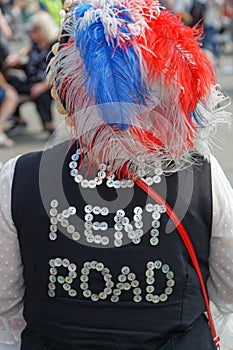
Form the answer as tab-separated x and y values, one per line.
198	117
112	72
81	9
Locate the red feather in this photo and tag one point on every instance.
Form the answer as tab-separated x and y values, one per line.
146	138
178	58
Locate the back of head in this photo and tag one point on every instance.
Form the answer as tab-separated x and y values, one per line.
135	83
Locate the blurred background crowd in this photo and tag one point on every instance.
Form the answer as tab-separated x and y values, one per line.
28	29
33	24
215	15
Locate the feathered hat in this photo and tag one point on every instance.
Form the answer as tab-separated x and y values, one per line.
135	83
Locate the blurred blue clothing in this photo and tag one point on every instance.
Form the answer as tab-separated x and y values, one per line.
2	95
209	41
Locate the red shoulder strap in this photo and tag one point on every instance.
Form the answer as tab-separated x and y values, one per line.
188	244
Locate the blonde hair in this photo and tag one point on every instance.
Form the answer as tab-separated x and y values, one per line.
45	23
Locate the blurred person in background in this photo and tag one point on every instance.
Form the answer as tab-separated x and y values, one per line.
43	34
228	17
8	103
169	4
53	7
8	95
4	27
183	7
212	25
5	6
21	12
197	12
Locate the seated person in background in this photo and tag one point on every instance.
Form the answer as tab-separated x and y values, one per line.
8	104
5	34
43	34
8	95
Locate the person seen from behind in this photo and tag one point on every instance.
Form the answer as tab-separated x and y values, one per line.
120	236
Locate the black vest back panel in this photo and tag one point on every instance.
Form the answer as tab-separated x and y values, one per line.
82	294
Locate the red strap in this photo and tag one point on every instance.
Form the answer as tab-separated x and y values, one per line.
188	244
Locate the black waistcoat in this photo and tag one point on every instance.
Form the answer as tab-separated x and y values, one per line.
62	311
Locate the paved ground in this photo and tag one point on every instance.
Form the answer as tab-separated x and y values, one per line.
34	139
